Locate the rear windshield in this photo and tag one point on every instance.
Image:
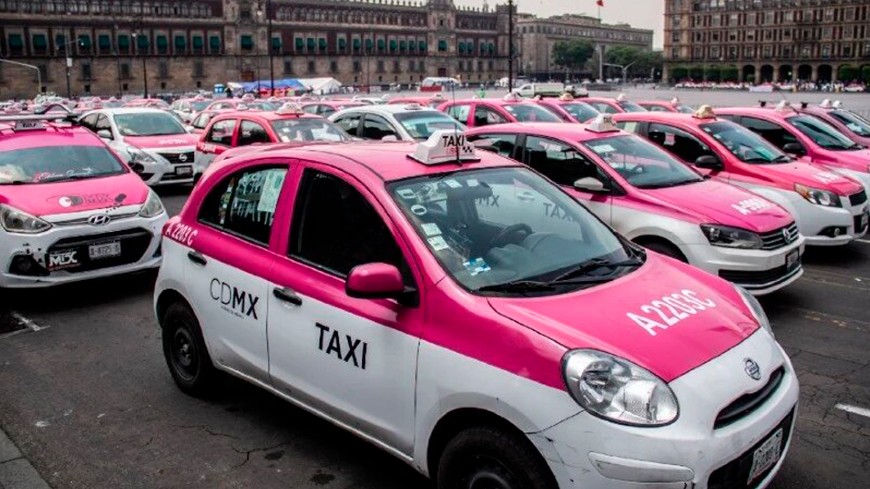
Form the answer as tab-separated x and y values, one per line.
308	129
582	112
531	113
148	124
822	133
421	125
853	122
57	163
747	146
631	107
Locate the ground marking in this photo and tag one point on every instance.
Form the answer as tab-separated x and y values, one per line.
854	410
27	322
863	241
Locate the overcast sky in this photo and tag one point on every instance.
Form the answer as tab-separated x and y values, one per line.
647	14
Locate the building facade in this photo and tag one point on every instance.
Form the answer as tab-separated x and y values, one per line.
538	36
108	47
760	41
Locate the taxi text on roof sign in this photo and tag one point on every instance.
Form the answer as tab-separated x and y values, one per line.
445	147
603	123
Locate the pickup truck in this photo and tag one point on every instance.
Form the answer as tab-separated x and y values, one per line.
531	90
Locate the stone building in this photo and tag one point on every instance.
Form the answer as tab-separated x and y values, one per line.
767	40
113	46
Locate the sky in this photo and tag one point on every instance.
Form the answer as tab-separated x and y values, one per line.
646	14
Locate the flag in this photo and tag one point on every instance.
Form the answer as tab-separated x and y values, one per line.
600	3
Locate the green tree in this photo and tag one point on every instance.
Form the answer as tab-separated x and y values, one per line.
641	61
572	54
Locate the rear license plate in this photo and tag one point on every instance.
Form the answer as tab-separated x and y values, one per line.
104	250
766	455
184	170
792	259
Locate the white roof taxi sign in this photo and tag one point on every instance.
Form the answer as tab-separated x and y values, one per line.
445	147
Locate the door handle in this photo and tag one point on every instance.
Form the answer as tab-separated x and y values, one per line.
287	295
197	258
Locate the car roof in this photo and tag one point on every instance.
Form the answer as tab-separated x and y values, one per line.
388	160
569	132
262	115
770	113
54	135
130	110
689	119
387	109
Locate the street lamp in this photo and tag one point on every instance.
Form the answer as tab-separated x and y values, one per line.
68	56
269	47
510	46
32	67
144	63
623	68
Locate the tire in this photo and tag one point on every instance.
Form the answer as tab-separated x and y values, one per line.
666	249
185	351
486	457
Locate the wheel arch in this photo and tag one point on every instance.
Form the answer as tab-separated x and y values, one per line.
166	298
645	239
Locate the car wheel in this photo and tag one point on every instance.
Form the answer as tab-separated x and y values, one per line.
666	249
185	351
491	458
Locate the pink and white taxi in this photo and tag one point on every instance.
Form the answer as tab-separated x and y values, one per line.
656	201
70	210
152	141
375	285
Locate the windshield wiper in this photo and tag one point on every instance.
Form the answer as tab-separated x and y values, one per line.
63	178
16	182
518	286
783	159
668	184
594	264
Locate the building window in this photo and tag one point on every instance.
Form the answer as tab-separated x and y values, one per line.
333	66
247	43
162	69
311	67
357	67
380	66
288	67
198	69
86	71
124	71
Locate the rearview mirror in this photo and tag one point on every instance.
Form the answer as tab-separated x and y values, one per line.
377	281
105	134
710	162
796	149
590	184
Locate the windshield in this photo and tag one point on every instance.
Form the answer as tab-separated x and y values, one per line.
495	227
581	112
531	113
308	129
57	163
200	106
631	107
822	133
853	122
267	106
685	109
148	124
642	163
421	125
747	146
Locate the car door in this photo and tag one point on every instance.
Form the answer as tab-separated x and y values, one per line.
228	259
217	139
350	123
352	359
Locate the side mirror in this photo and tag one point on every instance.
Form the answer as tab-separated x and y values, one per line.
189	129
796	149
105	134
377	281
389	138
710	162
591	185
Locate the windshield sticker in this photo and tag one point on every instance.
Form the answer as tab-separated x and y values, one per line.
603	148
453	183
406	193
271	190
438	244
670	309
419	210
476	266
553	148
471	182
827	177
670	139
751	206
431	229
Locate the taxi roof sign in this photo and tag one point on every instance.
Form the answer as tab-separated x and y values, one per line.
784	106
603	123
675	101
705	112
290	108
28	125
837	104
413	106
444	146
512	97
621	98
566	97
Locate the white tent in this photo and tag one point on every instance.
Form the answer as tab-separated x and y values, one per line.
321	86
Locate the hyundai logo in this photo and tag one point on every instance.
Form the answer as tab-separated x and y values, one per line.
182	157
99	219
752	369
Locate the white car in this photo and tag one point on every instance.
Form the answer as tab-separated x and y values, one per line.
411	122
151	141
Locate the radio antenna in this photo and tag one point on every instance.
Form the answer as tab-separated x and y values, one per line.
456	126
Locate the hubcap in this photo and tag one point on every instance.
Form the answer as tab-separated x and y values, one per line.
184	353
488	473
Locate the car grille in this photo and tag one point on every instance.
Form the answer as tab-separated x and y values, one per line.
763	277
746	404
175	158
735	474
134	243
777	239
858	199
84	220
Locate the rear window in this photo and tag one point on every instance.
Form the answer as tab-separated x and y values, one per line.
308	129
57	163
421	125
531	113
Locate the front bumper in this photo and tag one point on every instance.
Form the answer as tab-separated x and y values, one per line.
585	451
170	166
70	243
830	226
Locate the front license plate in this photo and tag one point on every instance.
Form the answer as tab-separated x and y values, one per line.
766	455
104	250
792	259
184	170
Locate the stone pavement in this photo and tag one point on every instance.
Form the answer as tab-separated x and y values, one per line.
15	471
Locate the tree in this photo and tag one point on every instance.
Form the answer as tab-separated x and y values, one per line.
642	61
573	54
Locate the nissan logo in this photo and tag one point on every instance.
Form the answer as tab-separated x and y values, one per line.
752	369
182	157
786	236
99	219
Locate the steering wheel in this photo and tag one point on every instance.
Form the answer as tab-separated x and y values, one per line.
511	234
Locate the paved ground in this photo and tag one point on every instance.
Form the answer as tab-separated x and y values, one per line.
89	401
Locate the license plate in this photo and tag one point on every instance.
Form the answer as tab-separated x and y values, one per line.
792	259
104	250
184	170
766	455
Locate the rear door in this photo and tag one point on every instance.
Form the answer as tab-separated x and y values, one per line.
217	139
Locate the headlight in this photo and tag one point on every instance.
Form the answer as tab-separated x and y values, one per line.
818	197
755	306
153	206
16	221
139	156
618	390
731	237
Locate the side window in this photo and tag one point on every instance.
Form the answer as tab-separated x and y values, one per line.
629	126
311	109
503	144
350	123
103	123
244	204
459	112
656	108
201	121
486	117
687	147
603	108
376	127
251	133
90	122
222	132
558	161
774	133
727	117
326	111
335	228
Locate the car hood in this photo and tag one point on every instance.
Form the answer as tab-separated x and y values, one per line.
160	142
852	160
45	199
811	175
608	317
711	201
